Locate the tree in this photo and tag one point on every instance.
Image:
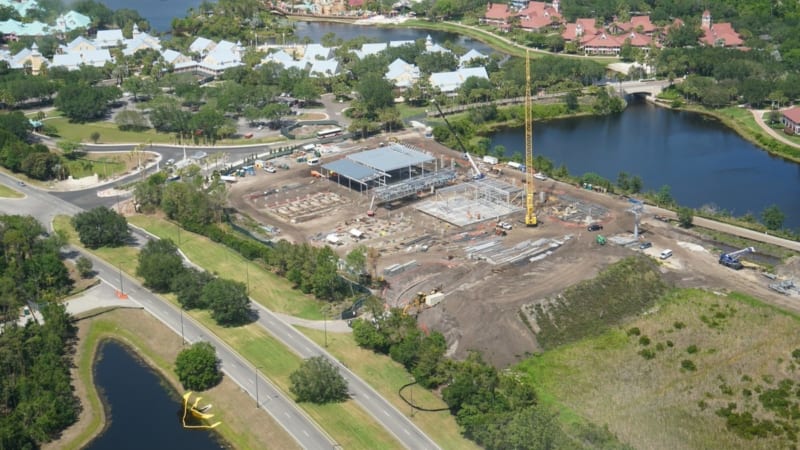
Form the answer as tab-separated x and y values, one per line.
773	217
95	136
84	266
636	184
159	264
228	301
571	100
664	196
318	381
357	259
188	287
375	93
325	281
82	102
198	367
101	227
685	216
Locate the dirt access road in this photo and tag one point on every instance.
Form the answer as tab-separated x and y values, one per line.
480	309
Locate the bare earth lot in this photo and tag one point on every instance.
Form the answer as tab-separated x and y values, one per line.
482	301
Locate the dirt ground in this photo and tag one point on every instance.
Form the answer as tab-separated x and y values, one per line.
481	306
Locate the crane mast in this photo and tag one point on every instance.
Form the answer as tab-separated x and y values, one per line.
530	191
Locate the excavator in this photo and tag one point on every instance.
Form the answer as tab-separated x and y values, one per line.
416	305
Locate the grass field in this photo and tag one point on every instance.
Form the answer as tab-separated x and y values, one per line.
386	377
346	422
661	380
7	192
103	165
266	288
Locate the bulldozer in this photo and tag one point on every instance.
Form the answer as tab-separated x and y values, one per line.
416	305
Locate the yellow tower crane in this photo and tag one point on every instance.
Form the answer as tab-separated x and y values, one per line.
530	191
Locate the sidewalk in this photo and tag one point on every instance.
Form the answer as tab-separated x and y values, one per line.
758	115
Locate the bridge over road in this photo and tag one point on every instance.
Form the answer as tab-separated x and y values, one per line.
649	87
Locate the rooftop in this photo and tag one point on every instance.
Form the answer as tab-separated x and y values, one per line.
391	157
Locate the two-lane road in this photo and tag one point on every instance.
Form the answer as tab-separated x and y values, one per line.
282	409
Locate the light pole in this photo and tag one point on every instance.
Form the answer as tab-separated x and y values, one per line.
121	290
255	371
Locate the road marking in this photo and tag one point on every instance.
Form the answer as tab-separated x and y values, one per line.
406	431
287	414
385	412
306	433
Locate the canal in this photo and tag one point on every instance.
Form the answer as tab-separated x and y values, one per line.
703	161
142	413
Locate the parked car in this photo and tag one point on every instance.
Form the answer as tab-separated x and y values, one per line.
595	227
270	169
505	225
645	245
666	254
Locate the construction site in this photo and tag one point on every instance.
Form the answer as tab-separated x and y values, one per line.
465	244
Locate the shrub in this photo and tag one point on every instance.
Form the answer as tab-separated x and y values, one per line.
644	340
647	353
679	325
318	381
687	364
634	331
660	347
670	344
692	349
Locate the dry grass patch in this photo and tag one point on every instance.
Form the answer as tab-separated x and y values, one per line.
660	402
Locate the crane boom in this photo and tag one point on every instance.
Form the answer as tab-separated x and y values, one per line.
478	174
530	211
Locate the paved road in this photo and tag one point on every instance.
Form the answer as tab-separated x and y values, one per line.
44	207
282	409
758	115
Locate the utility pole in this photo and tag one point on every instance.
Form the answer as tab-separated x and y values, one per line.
183	340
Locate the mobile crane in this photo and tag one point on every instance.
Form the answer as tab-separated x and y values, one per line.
477	175
530	191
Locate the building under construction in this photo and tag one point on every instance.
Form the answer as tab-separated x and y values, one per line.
473	202
393	172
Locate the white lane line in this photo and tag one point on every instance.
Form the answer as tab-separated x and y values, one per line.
306	433
406	431
385	412
287	414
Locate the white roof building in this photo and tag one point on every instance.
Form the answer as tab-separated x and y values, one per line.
469	57
79	44
14	27
20	6
109	38
74	60
71	20
140	41
223	56
450	82
402	74
322	69
202	46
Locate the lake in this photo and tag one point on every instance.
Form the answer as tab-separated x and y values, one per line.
703	161
142	412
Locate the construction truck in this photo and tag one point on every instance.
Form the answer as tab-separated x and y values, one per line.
416	305
732	259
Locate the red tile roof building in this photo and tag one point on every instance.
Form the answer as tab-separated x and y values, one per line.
791	119
538	16
497	14
719	34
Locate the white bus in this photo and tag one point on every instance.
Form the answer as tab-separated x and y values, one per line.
329	133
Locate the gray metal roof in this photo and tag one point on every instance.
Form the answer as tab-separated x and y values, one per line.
391	157
351	170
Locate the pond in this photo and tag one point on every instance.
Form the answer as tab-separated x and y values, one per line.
142	412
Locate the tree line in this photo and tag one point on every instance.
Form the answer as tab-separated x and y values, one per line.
36	398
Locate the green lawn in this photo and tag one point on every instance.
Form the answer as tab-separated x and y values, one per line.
7	192
102	165
111	134
386	377
270	290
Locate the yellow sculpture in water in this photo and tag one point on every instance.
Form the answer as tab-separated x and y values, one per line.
197	412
